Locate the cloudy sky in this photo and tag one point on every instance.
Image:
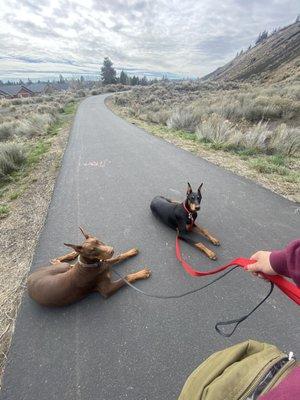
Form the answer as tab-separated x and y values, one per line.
184	38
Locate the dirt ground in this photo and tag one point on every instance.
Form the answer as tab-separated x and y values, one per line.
19	234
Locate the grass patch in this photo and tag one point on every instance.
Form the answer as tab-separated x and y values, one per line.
14	195
55	127
70	108
268	166
37	152
4	210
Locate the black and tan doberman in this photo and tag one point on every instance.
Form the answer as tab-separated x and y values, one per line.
61	283
182	216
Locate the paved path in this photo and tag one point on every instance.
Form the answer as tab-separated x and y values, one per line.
132	347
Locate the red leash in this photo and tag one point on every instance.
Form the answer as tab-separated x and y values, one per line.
287	287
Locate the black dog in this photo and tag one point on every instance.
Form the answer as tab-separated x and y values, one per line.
182	216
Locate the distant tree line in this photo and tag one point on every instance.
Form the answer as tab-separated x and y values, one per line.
109	76
61	79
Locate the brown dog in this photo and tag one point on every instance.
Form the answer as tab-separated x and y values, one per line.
61	283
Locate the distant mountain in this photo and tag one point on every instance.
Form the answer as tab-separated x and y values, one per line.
274	59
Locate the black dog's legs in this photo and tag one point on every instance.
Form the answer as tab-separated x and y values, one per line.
204	232
184	235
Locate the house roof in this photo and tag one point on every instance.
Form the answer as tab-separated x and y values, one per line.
13	90
61	85
37	87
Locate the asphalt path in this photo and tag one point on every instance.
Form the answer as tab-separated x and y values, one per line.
130	346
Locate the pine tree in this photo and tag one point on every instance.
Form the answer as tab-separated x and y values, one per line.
134	80
144	81
123	78
108	73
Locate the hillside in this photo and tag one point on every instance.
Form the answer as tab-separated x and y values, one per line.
275	59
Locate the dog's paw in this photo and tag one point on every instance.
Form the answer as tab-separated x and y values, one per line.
146	272
212	255
132	252
215	242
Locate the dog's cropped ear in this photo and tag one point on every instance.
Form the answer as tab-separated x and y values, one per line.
74	246
189	189
199	188
85	234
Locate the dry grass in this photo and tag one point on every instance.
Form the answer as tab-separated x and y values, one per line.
258	138
12	156
7	130
12	286
20	232
183	119
36	125
266	153
239	115
217	130
22	121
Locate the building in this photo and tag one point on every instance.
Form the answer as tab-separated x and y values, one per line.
39	88
32	89
14	91
60	86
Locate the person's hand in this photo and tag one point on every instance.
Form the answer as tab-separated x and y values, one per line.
262	264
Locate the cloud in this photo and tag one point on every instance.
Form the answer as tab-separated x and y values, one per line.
182	37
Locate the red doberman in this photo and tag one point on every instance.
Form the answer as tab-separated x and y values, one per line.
61	283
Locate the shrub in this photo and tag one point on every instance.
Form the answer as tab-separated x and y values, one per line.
216	129
36	125
49	97
6	130
283	140
39	99
183	119
159	117
120	100
16	102
47	109
12	156
80	93
286	140
258	137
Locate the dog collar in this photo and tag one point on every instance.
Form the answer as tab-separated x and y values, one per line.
189	212
94	265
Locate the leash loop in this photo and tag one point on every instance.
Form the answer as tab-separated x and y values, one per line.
237	321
